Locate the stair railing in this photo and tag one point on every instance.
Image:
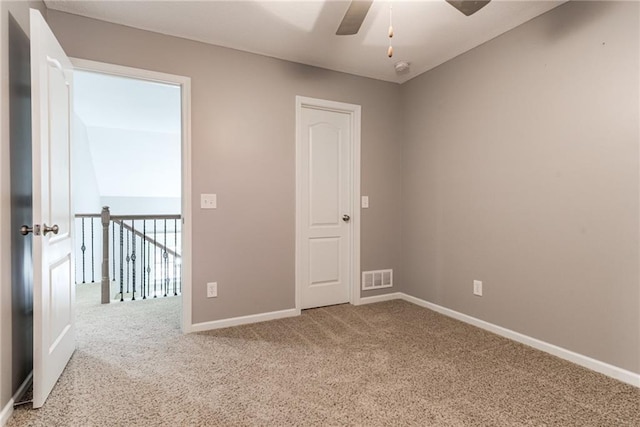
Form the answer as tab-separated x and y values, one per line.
147	261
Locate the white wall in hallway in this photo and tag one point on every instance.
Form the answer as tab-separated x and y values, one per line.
86	197
133	130
134	163
142	205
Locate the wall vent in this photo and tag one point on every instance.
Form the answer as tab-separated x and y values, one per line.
377	279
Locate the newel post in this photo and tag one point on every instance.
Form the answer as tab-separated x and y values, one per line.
105	216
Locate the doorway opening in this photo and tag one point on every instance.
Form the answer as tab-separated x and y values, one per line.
130	133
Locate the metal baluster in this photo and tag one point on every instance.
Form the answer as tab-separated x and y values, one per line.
93	269
121	261
128	259
165	261
113	248
175	251
144	245
83	248
133	258
180	265
161	273
148	267
155	260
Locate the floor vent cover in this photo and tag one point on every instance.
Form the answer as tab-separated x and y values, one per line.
377	279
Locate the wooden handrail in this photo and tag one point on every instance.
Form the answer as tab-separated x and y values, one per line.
130	217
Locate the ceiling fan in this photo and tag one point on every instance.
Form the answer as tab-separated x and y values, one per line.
358	9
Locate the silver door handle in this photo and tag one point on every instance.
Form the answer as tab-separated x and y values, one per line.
54	229
346	218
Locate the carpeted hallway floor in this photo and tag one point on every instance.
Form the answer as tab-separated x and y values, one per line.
386	364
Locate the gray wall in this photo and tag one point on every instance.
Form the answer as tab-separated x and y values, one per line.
520	168
243	136
20	12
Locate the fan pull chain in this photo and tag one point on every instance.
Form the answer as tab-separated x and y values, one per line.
390	50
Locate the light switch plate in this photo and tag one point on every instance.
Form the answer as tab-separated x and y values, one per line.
208	201
365	202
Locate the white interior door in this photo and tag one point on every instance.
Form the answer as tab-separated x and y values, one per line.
325	224
53	291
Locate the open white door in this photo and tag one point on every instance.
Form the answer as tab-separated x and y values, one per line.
53	291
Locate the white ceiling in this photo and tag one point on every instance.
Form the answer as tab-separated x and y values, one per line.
427	32
108	101
133	131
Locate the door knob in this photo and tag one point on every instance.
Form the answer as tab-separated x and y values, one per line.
54	229
25	229
346	218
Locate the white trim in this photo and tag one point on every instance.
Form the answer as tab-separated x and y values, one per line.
7	411
579	359
185	86
123	71
380	298
243	320
355	205
573	357
187	222
355	111
5	240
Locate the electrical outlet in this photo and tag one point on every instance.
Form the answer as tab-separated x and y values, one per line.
477	288
212	290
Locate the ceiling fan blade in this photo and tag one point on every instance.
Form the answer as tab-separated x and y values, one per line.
468	7
354	17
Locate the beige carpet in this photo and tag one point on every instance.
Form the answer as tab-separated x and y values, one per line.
386	364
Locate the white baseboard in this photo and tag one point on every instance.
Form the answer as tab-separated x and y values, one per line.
595	365
579	359
380	298
6	412
8	408
243	320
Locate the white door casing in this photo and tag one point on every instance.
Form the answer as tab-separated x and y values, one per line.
327	212
185	94
53	291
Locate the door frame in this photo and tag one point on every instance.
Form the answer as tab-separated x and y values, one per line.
354	111
185	94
